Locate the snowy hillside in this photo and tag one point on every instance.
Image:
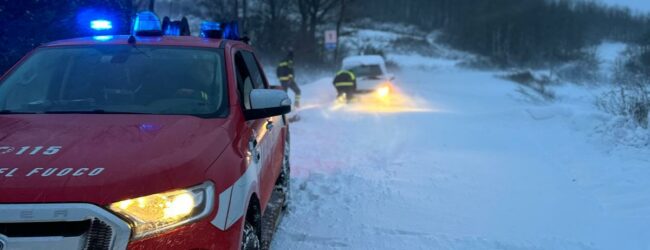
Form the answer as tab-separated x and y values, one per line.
608	54
399	40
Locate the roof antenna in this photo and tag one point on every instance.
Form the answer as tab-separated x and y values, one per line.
131	39
132	29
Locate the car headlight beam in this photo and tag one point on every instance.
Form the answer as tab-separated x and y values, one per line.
161	212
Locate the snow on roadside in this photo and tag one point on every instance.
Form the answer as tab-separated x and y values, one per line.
480	170
421	62
620	133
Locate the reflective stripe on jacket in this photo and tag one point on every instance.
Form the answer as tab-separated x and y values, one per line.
286	78
345	78
344	84
285	70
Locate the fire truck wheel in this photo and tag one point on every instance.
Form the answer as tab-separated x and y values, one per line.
284	182
250	240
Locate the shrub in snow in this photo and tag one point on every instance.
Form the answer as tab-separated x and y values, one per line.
630	102
532	82
585	70
523	77
631	99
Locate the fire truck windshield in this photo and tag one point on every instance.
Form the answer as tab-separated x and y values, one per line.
118	79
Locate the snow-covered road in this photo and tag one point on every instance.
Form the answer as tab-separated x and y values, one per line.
478	169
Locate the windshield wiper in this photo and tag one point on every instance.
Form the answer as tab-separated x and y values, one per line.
11	112
94	111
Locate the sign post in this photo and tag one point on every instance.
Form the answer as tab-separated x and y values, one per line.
331	40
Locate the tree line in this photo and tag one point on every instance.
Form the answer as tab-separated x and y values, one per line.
507	32
515	32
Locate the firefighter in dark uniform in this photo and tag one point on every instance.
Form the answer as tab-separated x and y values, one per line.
287	79
346	84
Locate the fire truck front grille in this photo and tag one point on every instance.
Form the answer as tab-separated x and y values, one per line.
99	236
61	226
45	229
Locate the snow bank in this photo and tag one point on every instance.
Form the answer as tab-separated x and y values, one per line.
421	62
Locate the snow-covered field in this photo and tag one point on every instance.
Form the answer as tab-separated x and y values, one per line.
461	161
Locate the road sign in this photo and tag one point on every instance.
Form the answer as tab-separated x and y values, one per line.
331	38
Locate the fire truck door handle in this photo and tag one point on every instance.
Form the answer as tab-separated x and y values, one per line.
255	150
269	124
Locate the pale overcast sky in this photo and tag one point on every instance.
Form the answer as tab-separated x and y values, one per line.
637	5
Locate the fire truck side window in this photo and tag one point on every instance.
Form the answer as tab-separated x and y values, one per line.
244	80
254	69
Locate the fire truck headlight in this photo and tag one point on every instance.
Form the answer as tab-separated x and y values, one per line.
158	213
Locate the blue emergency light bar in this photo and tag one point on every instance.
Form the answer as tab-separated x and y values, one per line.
173	30
147	24
231	31
211	30
176	28
220	30
101	25
207	25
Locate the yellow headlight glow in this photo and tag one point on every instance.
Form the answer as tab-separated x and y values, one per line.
180	206
159	212
383	91
386	98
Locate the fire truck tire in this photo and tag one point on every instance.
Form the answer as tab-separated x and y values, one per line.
250	239
284	182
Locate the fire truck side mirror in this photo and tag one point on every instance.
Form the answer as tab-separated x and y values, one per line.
267	103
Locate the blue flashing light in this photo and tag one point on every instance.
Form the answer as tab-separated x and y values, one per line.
173	30
210	26
211	29
231	31
147	24
98	22
101	25
226	30
102	38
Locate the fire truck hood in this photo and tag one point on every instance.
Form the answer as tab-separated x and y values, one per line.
102	159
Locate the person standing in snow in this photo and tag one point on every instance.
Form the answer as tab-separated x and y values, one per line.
286	75
345	83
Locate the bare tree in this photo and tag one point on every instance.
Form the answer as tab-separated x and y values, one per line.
339	24
217	10
312	14
274	28
245	14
